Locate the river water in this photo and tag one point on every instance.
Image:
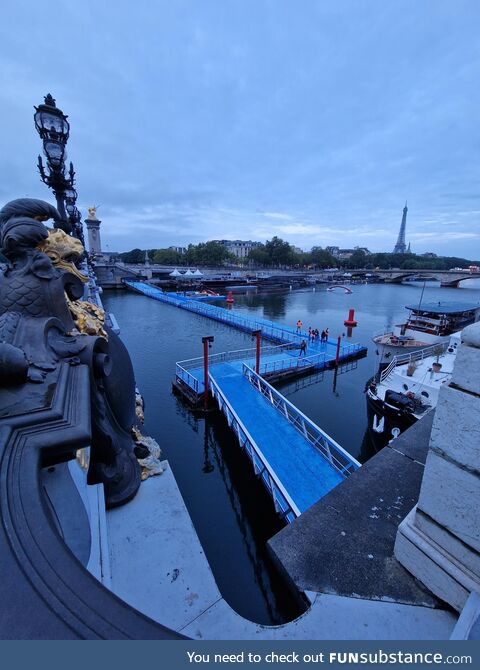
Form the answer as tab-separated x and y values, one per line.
232	513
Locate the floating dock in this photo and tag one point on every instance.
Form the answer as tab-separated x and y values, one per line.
270	330
295	459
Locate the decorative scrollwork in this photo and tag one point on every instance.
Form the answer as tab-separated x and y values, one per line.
45	327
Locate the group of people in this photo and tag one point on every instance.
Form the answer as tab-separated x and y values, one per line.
313	333
313	336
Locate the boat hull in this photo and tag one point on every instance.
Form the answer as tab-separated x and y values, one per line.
386	422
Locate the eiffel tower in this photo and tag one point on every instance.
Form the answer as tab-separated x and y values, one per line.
401	247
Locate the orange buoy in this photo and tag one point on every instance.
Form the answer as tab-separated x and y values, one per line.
230	297
351	320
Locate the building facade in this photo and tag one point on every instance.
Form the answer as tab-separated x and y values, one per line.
239	248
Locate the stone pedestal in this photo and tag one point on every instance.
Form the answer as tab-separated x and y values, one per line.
439	541
94	243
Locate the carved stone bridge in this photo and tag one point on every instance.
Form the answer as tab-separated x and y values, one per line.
447	278
111	273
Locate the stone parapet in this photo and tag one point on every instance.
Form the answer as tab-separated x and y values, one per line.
439	541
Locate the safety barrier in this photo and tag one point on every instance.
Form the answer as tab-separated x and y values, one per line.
185	376
284	505
340	459
235	355
404	359
269	329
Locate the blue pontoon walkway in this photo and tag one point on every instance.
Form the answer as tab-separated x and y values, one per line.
320	355
296	460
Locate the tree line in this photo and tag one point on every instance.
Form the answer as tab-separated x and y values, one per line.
277	253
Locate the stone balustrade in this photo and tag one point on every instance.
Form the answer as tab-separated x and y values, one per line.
439	541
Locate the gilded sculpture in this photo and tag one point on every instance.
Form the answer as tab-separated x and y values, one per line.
64	251
83	381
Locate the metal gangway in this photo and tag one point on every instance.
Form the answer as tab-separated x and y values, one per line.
296	460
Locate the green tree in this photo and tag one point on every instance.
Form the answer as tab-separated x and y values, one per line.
259	256
134	256
208	253
279	252
167	257
357	260
321	258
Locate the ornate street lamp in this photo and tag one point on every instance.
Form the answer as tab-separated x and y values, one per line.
52	126
50	122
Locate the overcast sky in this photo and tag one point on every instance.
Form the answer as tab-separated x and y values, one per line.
313	120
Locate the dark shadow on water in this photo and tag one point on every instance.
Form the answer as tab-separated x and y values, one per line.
247	577
274	305
254	514
367	449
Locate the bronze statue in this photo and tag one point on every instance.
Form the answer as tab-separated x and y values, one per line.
48	331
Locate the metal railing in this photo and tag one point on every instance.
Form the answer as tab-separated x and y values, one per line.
282	500
184	369
268	329
405	359
235	355
268	367
186	377
340	459
387	330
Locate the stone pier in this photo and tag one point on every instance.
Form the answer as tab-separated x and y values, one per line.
439	540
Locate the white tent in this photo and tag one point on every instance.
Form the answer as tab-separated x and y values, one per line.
175	273
188	273
197	273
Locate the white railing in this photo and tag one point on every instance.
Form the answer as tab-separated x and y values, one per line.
266	367
268	329
405	359
186	377
235	355
269	367
283	502
340	459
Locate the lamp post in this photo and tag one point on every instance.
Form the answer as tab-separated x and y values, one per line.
52	126
207	343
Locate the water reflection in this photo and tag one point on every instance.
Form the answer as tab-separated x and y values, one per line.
247	498
274	306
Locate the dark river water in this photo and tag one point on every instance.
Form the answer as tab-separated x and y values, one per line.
232	513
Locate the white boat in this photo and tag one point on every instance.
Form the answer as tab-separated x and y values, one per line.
408	389
427	324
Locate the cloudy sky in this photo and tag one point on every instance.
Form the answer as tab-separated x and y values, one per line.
313	120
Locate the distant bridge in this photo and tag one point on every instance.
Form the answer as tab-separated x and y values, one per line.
111	273
447	278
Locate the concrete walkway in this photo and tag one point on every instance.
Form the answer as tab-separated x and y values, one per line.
159	567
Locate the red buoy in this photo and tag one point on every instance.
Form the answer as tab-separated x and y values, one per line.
350	321
230	297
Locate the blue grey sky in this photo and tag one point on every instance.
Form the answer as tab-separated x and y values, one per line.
313	120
